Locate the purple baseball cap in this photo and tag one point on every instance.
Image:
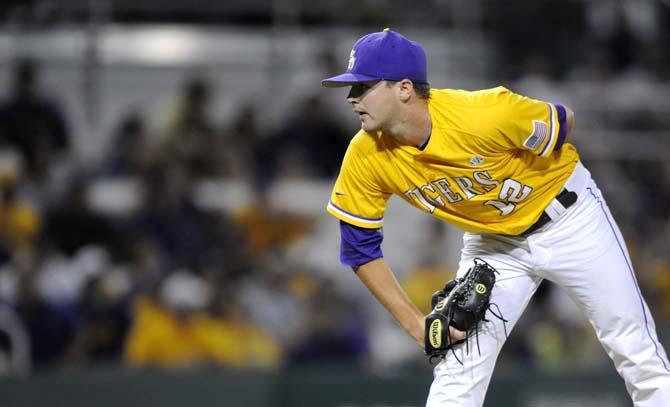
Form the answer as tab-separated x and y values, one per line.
385	55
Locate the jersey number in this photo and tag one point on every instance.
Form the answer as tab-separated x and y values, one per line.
511	193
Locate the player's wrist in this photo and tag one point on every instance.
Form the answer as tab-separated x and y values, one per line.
416	329
419	331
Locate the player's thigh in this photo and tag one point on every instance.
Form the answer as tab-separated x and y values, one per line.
601	280
593	266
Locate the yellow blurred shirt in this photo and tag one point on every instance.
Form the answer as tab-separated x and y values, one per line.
421	283
158	337
265	228
19	224
489	166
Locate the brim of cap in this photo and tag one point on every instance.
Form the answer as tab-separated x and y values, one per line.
346	79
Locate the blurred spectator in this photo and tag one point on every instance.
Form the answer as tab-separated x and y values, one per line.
311	144
431	274
71	224
252	344
538	80
51	325
191	138
174	330
333	332
515	27
422	282
240	143
147	262
660	293
169	215
130	153
15	355
19	220
593	66
272	301
266	227
104	321
31	122
626	30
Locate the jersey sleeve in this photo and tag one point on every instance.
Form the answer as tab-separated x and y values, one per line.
356	198
527	123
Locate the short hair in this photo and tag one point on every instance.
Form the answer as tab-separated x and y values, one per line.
422	89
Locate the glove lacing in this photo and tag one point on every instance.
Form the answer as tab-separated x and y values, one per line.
489	308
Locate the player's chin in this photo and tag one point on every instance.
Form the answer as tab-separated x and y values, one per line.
368	125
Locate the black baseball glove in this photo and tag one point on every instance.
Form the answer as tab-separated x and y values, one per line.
462	304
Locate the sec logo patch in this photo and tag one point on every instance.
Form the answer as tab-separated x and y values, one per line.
476	160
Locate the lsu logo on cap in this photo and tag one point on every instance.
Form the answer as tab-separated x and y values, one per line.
435	331
352	60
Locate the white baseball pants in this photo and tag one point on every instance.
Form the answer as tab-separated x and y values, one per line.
583	252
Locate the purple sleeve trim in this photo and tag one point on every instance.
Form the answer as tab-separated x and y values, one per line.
562	127
359	245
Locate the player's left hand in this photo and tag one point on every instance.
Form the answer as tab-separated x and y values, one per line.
458	309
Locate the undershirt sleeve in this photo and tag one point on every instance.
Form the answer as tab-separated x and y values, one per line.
359	245
563	126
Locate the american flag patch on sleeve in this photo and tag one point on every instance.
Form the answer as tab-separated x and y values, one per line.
537	137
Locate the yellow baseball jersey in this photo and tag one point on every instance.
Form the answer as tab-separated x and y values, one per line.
489	165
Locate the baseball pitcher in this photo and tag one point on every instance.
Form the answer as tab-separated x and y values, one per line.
499	166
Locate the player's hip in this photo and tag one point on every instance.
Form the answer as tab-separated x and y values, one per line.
577	224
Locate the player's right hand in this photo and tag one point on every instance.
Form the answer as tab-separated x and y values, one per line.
456	335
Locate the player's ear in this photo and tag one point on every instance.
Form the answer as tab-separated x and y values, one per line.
405	89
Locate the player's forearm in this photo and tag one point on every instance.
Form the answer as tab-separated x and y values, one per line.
381	282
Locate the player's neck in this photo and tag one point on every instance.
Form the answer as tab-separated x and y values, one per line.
413	128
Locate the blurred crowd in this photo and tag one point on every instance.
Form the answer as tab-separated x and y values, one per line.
168	282
173	283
